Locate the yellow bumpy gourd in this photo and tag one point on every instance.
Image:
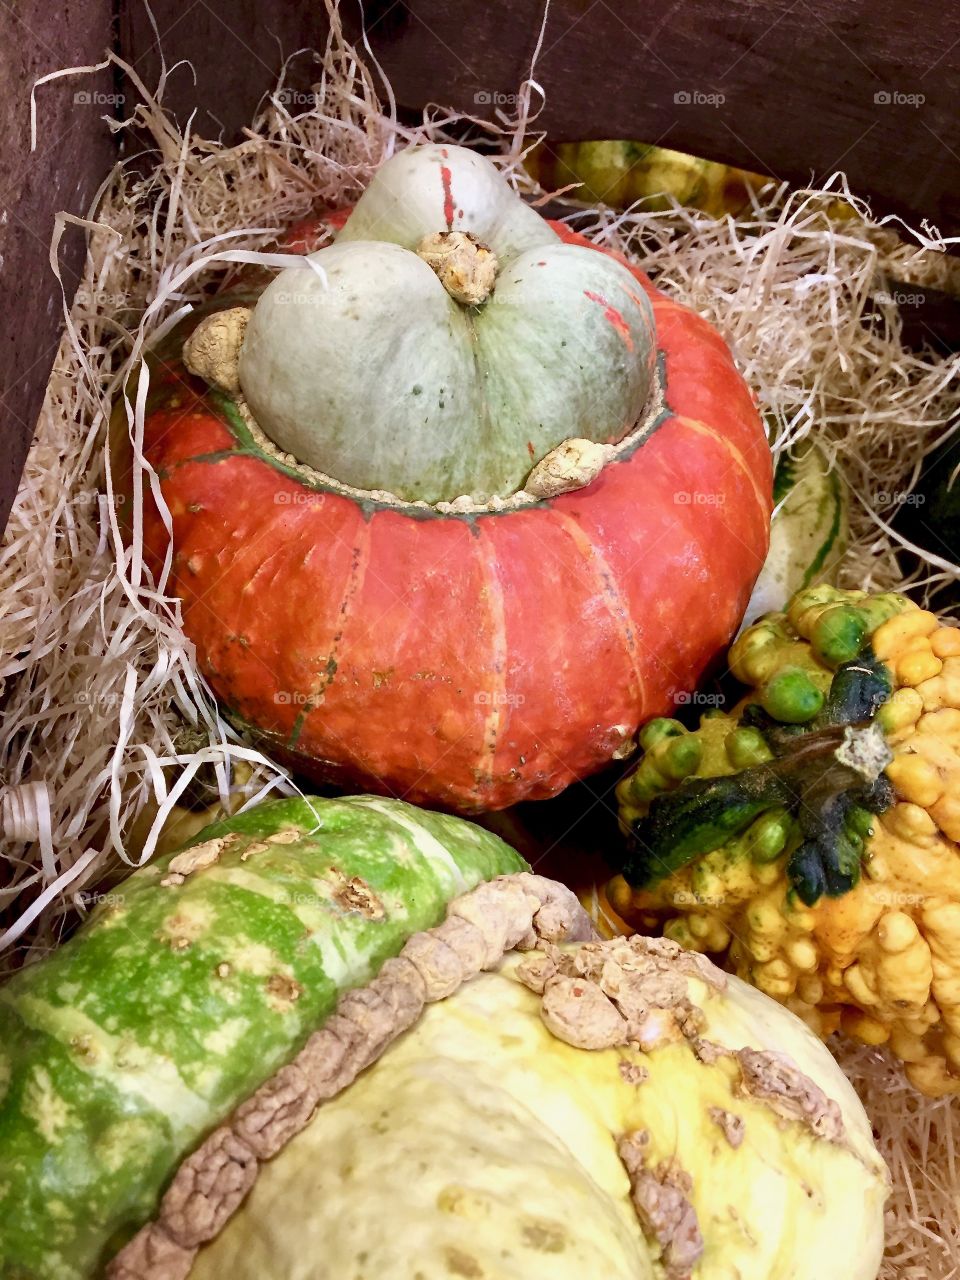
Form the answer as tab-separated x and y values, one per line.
880	961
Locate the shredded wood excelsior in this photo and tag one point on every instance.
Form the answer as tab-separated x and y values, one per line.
97	676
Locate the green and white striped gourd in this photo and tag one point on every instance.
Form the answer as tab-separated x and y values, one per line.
188	988
808	535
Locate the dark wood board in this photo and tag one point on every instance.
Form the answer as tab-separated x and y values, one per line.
807	86
794	88
236	49
75	151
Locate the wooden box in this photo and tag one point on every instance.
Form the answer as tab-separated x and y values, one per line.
795	90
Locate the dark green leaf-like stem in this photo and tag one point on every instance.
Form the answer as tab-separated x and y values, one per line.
814	774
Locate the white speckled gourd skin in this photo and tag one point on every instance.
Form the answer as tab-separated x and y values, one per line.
370	372
480	1147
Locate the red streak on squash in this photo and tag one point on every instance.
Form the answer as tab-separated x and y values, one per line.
612	316
445	178
466	662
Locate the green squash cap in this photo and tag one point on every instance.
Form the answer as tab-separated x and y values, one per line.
367	363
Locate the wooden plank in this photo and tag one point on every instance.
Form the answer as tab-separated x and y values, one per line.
793	88
236	49
75	151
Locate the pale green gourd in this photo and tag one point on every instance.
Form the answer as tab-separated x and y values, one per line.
364	366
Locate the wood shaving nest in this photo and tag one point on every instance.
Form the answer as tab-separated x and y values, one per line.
97	675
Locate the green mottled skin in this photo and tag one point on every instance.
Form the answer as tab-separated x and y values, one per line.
809	531
124	1047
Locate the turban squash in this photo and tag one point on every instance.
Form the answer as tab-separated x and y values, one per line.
461	500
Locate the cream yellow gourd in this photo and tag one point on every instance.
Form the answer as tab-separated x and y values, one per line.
483	1147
